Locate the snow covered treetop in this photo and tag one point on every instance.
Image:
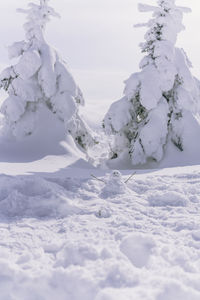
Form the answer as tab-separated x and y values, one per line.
38	15
166	14
165	24
165	4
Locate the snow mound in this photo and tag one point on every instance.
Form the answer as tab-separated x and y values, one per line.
33	196
76	254
113	294
41	143
196	235
138	248
174	290
171	198
61	284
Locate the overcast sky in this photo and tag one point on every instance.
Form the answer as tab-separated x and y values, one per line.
97	39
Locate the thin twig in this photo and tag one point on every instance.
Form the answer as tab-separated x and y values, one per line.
129	177
97	178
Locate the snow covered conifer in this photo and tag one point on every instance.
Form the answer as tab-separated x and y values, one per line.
159	100
41	78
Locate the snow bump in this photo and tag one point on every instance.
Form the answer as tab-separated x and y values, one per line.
138	248
171	198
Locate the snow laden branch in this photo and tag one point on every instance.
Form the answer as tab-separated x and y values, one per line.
98	179
129	178
185	9
147	8
41	78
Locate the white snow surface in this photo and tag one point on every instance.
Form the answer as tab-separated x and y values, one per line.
68	236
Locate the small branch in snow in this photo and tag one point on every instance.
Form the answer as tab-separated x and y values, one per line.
105	181
97	178
129	177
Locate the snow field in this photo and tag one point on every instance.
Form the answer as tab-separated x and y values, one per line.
61	238
65	235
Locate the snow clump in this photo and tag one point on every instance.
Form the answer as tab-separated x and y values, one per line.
138	248
171	198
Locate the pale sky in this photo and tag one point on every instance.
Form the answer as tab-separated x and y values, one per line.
98	41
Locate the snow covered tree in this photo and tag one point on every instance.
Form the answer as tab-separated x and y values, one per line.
158	99
41	78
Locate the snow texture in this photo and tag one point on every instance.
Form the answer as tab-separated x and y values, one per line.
144	245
